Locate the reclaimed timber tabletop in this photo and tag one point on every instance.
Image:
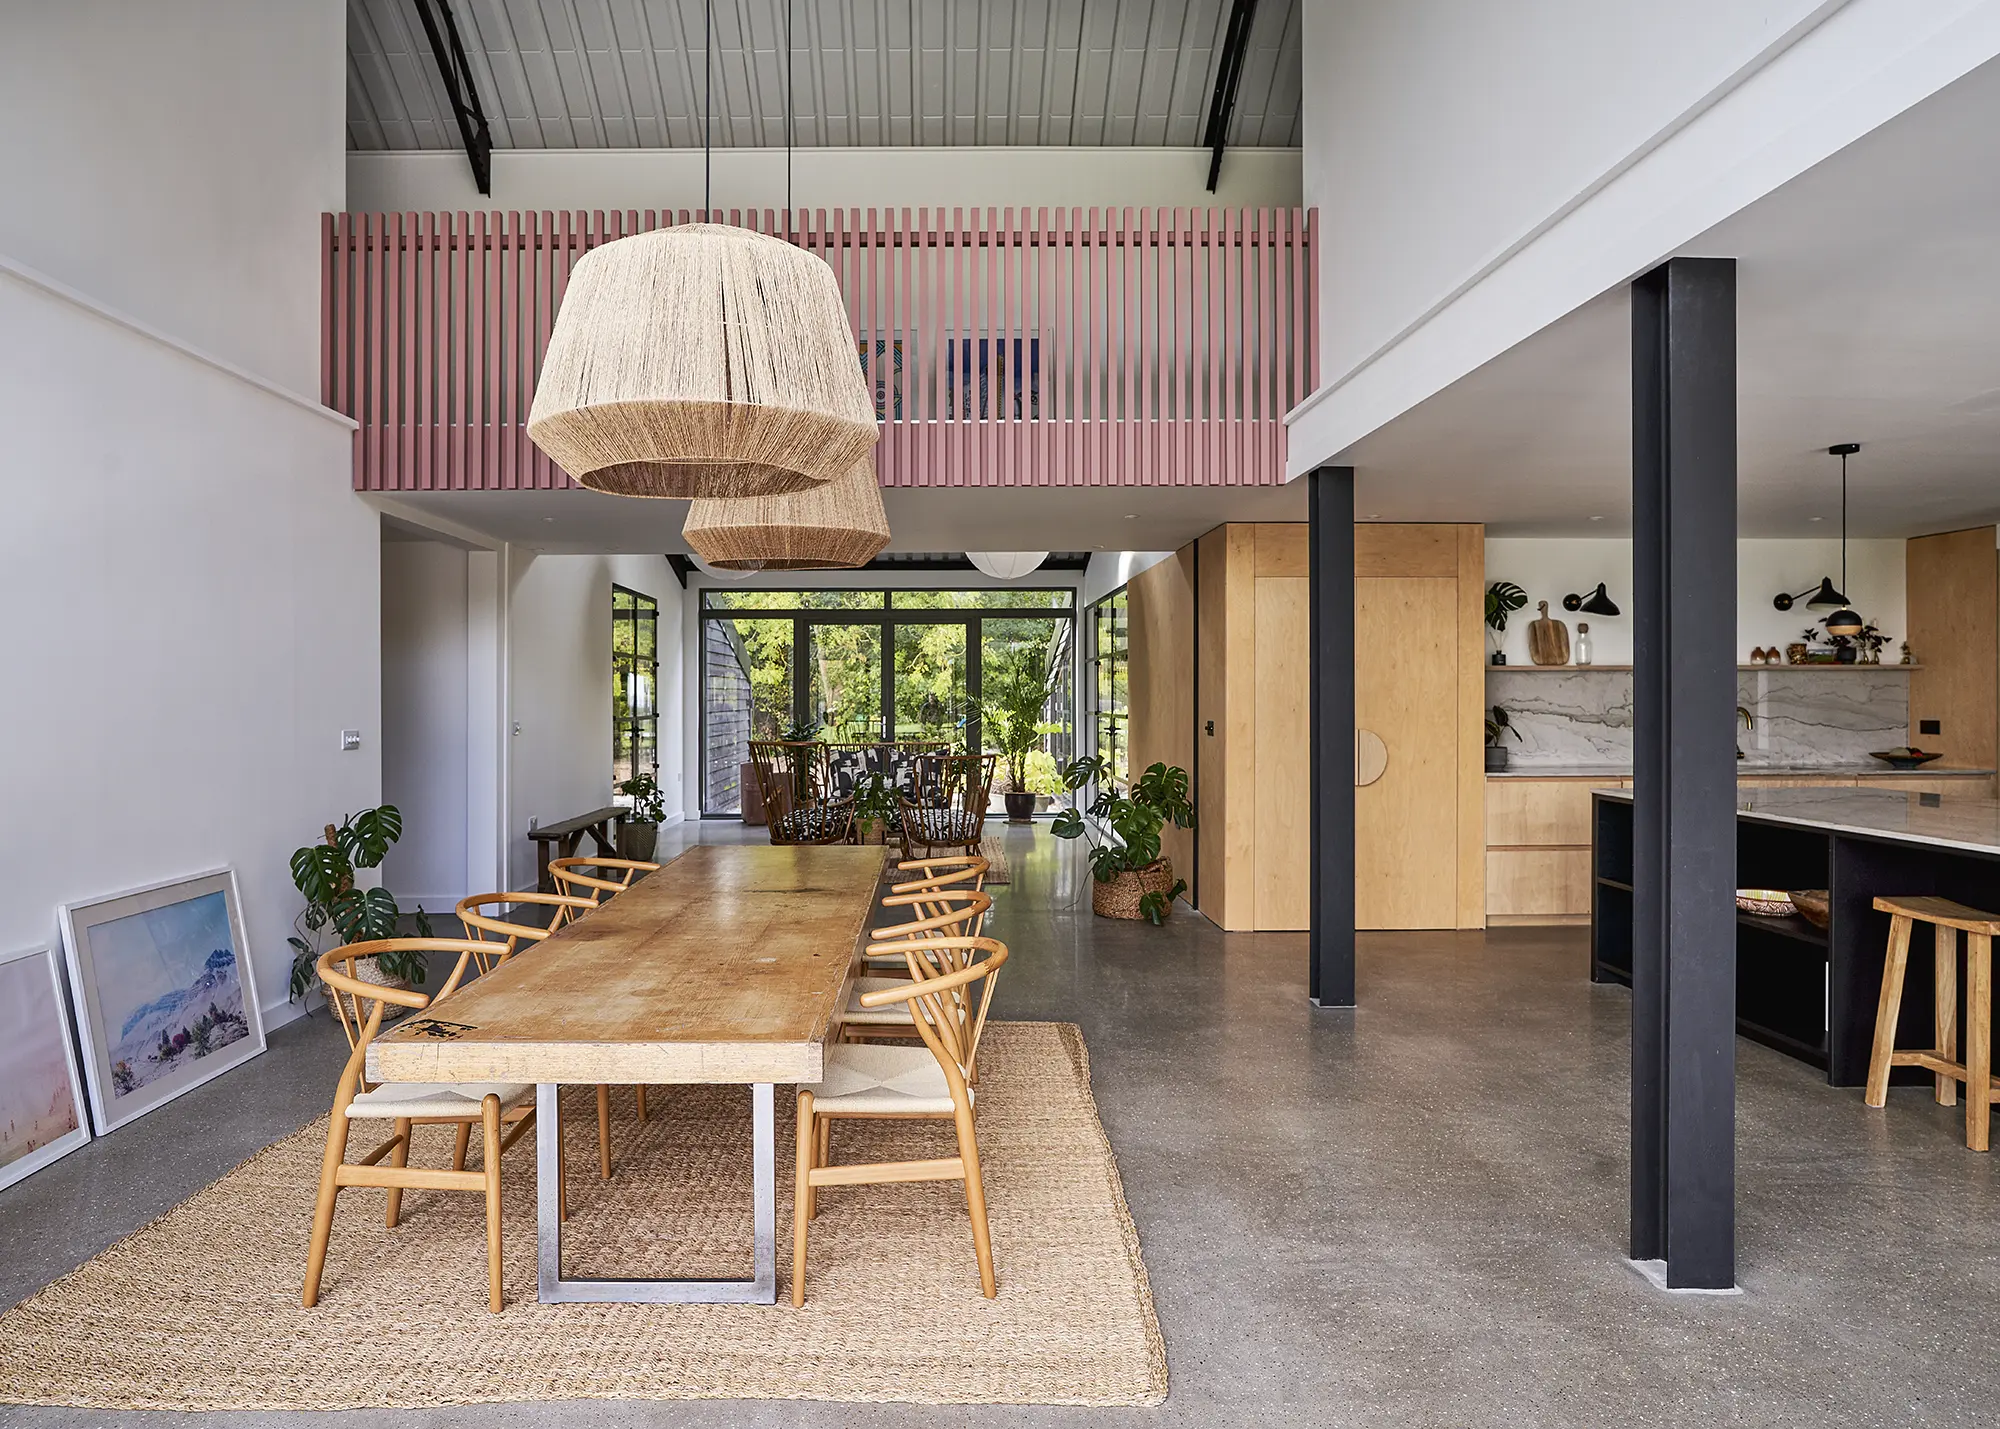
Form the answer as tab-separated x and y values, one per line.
728	964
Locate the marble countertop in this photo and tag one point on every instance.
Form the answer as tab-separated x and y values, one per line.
1744	769
1949	821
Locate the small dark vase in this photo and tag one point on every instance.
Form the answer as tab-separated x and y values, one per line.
1846	655
1020	806
1499	657
1496	759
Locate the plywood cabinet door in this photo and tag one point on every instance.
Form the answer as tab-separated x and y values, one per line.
1406	691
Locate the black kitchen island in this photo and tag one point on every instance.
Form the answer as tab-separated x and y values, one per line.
1809	993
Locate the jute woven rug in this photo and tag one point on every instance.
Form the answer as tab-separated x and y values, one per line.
200	1311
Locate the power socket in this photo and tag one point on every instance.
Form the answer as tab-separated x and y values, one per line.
1930	726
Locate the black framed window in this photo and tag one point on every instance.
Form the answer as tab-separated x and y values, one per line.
1106	676
860	665
635	684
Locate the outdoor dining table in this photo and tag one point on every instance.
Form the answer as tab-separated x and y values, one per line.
729	964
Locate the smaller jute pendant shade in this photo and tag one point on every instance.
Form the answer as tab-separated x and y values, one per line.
699	361
835	525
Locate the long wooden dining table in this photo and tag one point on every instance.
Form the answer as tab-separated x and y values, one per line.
729	964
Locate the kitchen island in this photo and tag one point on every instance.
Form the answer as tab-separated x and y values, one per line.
1807	992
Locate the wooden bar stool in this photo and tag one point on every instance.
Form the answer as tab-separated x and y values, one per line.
1947	920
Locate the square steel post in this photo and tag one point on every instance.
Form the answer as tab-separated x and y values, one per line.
1684	789
1330	536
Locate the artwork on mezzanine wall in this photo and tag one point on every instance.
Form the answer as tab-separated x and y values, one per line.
41	1086
165	997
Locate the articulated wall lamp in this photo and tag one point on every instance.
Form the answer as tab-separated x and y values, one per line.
1844	620
1596	603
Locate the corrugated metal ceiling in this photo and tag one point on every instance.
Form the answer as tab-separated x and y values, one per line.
620	74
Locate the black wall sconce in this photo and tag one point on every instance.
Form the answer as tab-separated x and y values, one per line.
1843	621
1596	603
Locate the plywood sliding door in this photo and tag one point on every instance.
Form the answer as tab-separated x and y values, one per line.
1954	632
1420	685
1406	691
1160	646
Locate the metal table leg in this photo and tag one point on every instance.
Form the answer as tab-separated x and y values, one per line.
760	1289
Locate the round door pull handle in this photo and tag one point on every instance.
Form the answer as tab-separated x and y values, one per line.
1371	757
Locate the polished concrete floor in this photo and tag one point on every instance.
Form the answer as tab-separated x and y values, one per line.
1408	1215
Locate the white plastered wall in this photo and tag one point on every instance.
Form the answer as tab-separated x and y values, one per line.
1504	164
194	581
1549	568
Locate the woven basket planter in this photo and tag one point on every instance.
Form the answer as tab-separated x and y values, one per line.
835	525
702	360
1120	897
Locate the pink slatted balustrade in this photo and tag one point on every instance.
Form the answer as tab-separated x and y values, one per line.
1005	347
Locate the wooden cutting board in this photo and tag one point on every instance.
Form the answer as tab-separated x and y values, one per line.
1548	640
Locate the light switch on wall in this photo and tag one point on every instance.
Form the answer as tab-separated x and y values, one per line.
350	739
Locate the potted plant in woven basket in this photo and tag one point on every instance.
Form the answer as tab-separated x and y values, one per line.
324	875
1130	877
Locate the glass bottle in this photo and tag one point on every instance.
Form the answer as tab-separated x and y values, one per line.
1582	642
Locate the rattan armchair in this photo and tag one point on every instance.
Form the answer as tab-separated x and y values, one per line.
949	808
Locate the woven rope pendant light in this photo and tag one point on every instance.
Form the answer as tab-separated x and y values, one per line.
840	524
702	361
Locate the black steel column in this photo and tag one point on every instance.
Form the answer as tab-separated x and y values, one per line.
1330	508
1684	790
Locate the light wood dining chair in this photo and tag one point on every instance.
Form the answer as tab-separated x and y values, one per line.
484	916
875	1082
613	875
962	915
492	925
488	1105
961	872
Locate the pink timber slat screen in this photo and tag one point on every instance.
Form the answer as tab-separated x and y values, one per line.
1005	347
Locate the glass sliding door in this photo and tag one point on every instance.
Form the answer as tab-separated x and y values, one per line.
931	675
862	665
746	694
844	681
1025	681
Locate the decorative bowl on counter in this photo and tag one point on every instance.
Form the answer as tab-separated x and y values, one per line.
1766	902
1814	905
1903	757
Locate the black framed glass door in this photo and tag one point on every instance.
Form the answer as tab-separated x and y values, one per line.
856	665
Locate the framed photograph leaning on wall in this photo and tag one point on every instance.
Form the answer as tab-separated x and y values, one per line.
165	999
41	1088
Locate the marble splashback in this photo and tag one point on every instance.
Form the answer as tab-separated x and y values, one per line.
1805	717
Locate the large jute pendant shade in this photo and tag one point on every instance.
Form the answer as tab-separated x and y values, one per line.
836	525
699	361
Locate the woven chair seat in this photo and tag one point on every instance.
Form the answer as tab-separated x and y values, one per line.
826	821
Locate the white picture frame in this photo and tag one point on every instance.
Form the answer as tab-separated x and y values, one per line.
140	965
38	1067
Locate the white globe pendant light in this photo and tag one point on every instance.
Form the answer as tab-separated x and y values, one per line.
1006	565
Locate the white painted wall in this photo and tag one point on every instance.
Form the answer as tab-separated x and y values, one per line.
1548	569
425	715
559	615
1504	164
172	160
824	178
196	583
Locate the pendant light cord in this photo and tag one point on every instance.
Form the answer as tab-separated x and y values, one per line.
1843	523
707	97
788	119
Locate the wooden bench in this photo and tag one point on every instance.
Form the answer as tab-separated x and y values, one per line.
567	836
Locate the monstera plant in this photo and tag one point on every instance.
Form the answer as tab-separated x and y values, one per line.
324	875
1132	879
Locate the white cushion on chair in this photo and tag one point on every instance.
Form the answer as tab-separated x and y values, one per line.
895	1014
457	1099
865	1077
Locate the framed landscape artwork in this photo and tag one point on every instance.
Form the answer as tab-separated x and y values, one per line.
165	999
41	1090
